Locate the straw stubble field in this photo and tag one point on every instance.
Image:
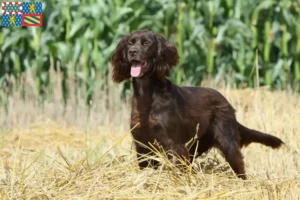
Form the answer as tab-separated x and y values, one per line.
60	158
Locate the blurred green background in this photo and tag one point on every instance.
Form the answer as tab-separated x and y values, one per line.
220	40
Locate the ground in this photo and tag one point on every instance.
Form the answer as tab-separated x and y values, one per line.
51	159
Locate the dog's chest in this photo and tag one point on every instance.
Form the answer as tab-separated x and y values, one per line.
156	115
146	118
156	110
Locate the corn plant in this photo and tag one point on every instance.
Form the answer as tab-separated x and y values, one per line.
215	38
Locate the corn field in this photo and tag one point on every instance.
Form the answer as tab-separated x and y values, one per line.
237	41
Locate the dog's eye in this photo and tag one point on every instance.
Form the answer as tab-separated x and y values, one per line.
130	43
146	43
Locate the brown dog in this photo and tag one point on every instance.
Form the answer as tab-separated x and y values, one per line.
169	114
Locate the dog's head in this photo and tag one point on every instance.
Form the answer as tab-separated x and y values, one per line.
142	54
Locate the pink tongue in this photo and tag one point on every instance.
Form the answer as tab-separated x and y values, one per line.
136	70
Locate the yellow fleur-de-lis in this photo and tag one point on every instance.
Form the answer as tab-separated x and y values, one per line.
32	8
12	20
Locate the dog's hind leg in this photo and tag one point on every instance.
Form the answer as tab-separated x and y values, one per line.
227	140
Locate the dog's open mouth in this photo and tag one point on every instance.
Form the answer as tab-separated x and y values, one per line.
138	68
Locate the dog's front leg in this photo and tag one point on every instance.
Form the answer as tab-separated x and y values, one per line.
145	154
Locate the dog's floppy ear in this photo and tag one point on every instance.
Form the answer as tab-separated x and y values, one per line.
167	57
120	63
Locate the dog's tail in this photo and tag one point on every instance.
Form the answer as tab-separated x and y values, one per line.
249	135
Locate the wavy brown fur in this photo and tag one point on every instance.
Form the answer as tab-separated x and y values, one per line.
169	114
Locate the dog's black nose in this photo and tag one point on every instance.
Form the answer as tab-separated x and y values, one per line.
133	52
